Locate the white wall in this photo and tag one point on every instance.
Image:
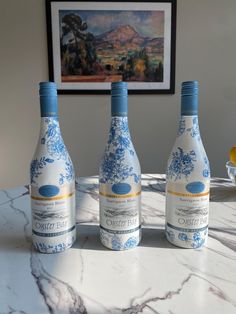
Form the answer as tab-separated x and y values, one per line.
206	50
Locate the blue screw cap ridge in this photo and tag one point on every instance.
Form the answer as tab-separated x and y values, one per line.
48	99
47	89
119	101
189	98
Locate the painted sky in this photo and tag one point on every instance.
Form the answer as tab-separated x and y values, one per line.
146	23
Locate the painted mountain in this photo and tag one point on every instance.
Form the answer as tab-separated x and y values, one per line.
118	54
126	36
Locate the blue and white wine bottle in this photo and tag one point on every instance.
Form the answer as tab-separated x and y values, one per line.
120	180
52	185
188	178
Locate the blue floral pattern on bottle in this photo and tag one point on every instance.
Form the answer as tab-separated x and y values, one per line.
37	166
198	240
52	138
170	235
131	242
194	130
115	166
206	172
69	173
183	236
55	150
49	248
116	244
181	126
182	164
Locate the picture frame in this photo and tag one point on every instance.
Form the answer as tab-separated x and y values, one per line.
93	43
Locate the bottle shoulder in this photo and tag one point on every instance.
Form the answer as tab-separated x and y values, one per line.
119	162
119	166
50	142
44	170
188	162
188	144
51	161
188	136
54	149
119	146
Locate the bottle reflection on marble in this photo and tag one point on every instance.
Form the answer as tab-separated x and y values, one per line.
119	180
52	180
188	178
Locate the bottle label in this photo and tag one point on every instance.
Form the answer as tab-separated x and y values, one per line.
120	213
53	210
187	208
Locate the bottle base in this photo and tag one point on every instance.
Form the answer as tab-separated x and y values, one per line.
120	242
54	245
185	239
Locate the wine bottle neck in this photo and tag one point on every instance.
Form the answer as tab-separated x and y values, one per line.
189	120
119	106
119	99
189	98
119	120
188	125
119	127
48	106
50	126
48	99
189	105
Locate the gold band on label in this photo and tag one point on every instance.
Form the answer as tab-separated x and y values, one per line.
188	195
52	198
120	196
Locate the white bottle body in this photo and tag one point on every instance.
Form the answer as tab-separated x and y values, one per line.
187	188
52	191
120	190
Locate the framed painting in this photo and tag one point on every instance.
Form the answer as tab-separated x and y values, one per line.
94	43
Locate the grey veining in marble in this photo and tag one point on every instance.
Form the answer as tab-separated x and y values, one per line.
156	277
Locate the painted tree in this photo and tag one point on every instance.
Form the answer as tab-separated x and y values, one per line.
80	52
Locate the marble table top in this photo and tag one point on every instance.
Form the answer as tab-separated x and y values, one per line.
155	277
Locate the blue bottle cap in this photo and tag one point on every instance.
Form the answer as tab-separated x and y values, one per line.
48	99
119	105
47	89
189	88
119	89
189	98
